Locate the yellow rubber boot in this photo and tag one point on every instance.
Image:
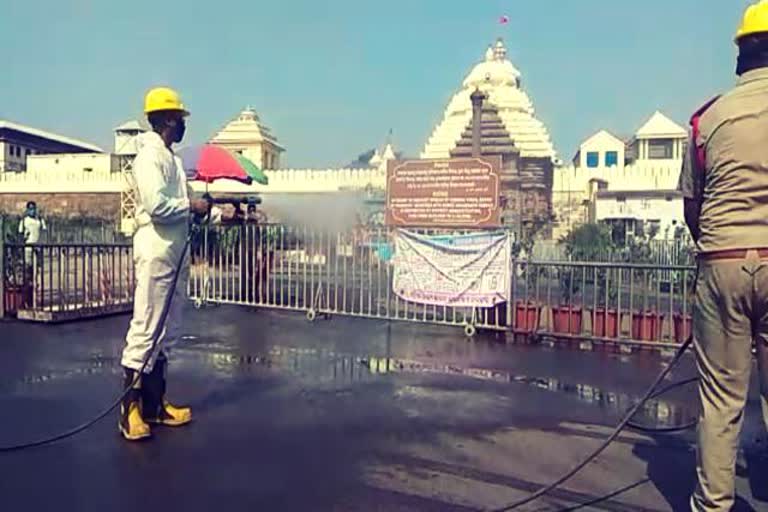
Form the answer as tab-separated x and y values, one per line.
172	416
132	426
157	410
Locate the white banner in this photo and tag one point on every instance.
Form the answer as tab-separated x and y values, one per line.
452	270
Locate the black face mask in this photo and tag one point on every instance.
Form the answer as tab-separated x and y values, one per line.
750	62
753	54
179	128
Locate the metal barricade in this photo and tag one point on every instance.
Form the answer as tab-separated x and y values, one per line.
350	273
318	272
636	304
56	282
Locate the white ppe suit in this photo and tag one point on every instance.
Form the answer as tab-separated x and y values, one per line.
162	221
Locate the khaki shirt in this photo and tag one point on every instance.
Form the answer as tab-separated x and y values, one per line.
733	187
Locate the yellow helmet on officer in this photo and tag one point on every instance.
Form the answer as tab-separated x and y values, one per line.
755	20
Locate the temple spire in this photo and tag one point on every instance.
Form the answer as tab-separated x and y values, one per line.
500	50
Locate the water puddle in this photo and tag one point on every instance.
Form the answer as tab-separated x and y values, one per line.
654	413
317	366
94	367
326	367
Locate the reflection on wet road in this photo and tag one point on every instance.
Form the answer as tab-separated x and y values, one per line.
318	367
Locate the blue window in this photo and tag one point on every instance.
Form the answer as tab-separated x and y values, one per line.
611	158
593	159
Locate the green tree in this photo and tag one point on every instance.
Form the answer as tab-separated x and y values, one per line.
588	242
585	243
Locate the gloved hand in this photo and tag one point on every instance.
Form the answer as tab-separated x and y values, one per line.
199	206
231	215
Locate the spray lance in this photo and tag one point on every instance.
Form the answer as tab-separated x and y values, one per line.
235	202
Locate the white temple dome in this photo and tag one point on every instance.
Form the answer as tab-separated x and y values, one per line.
498	78
246	127
495	70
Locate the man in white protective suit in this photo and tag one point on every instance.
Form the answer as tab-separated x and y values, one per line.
163	210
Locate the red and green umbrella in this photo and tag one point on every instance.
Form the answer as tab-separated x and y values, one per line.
209	163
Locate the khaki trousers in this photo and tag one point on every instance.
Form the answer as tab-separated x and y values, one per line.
730	311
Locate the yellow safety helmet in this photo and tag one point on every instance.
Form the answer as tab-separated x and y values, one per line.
755	20
163	98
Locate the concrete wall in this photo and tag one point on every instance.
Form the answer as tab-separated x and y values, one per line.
70	205
570	184
92	164
640	176
60	187
300	181
50	182
281	181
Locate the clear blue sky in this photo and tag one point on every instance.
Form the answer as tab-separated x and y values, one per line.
332	77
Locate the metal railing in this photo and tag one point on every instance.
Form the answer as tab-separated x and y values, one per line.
659	252
54	282
320	273
351	273
643	304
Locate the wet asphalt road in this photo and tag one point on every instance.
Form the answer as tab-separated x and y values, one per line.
343	415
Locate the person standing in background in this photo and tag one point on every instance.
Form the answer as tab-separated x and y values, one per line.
30	228
31	224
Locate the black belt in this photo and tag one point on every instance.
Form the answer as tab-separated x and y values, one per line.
732	254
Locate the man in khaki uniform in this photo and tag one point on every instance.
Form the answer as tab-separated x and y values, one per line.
724	182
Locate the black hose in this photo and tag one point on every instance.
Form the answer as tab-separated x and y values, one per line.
155	337
607	496
616	431
674	428
641	428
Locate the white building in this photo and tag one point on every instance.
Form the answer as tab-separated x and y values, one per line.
17	142
248	136
651	162
603	149
573	193
125	137
659	139
639	212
